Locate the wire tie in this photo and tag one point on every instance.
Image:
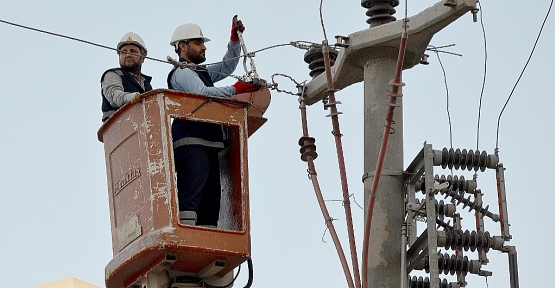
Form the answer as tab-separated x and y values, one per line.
336	133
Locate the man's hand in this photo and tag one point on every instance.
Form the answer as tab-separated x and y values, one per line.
133	98
243	87
236	25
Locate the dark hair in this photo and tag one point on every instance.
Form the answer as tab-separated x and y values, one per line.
177	50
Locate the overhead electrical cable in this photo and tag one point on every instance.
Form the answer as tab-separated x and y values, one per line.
70	38
522	72
484	78
297	44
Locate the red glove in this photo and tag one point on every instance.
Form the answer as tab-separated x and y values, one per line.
236	25
243	87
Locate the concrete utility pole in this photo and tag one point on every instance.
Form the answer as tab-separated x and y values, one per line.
371	56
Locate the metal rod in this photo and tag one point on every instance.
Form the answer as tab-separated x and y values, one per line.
482	256
404	275
502	201
513	266
431	214
244	47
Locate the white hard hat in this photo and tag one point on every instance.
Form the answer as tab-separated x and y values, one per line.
186	32
132	38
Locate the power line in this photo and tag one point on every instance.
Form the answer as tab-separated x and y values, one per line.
485	73
70	38
297	44
521	73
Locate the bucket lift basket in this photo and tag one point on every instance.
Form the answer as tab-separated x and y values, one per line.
142	186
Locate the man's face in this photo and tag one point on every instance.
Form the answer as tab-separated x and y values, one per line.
130	57
195	51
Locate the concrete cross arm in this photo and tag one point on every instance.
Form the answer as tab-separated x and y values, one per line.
383	41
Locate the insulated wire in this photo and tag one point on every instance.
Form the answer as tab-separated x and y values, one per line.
521	73
340	158
322	21
485	73
447	94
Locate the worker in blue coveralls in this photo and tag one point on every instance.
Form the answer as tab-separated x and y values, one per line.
197	144
123	85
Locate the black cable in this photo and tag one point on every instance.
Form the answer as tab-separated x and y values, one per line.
322	21
447	95
521	73
485	73
251	273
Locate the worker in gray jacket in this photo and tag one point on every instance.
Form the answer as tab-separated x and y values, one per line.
197	144
125	84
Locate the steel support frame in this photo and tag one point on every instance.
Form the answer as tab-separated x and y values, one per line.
426	244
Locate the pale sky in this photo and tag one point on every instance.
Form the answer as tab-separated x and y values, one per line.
54	209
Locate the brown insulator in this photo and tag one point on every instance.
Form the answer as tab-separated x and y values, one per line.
420	282
445	157
450	158
462	159
483	158
315	60
470	160
379	11
476	160
456	239
466	240
444	225
464	155
452	264
307	148
457	159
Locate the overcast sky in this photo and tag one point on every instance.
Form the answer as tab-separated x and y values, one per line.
54	210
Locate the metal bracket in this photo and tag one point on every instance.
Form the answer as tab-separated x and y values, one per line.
342	41
450	3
